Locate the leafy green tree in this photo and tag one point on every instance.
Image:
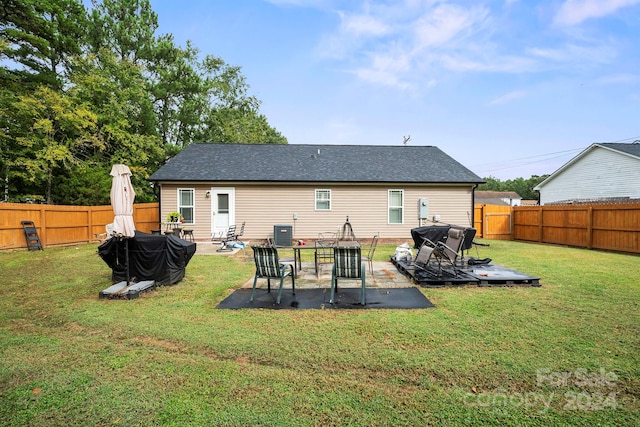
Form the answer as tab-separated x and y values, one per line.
125	118
39	39
233	115
178	91
60	130
524	187
80	91
87	183
204	100
124	27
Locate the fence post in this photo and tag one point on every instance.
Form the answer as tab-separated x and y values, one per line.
590	228
90	222
512	223
540	224
43	226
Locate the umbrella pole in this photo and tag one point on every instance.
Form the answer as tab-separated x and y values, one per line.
126	252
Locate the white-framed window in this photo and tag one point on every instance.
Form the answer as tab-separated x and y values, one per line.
323	200
186	200
396	206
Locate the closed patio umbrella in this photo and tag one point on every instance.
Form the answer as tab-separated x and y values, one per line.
122	196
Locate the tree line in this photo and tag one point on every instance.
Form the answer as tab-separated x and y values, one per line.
82	89
524	187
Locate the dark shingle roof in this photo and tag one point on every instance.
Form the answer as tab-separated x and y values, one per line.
314	163
633	148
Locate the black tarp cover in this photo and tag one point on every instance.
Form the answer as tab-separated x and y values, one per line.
438	233
435	233
162	258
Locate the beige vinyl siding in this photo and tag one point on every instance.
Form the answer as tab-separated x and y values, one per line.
202	222
263	206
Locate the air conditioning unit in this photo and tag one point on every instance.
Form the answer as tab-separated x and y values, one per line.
283	235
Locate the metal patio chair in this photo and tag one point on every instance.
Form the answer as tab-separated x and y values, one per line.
440	255
348	265
323	253
229	237
268	267
452	247
369	256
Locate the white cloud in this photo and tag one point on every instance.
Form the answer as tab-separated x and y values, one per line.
391	45
593	52
497	63
363	25
445	23
574	12
386	69
403	44
509	97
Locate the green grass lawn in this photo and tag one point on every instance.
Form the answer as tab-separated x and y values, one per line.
565	353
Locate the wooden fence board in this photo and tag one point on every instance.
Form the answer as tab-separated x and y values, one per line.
66	225
614	227
493	222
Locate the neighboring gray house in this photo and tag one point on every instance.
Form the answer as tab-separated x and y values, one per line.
385	190
502	198
602	171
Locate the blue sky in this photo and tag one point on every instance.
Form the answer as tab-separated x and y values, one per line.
509	88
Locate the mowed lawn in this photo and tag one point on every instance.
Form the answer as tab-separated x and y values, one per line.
566	353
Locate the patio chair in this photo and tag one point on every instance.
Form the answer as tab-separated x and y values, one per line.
229	237
369	257
271	242
108	232
241	233
268	267
348	265
324	251
453	245
432	255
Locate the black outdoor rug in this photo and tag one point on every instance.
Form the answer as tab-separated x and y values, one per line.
318	298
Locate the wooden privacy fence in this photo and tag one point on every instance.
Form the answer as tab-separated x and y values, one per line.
66	225
613	227
492	222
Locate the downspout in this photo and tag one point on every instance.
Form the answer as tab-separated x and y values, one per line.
473	205
157	192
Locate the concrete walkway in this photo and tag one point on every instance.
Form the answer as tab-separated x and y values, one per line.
385	274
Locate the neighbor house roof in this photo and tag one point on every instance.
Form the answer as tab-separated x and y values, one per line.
632	149
313	163
627	149
495	197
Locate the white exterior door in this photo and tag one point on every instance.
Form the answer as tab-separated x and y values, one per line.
222	209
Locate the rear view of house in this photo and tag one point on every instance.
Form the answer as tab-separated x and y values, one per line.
384	190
